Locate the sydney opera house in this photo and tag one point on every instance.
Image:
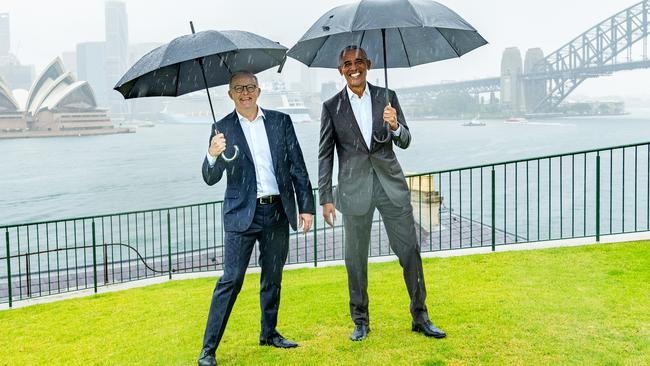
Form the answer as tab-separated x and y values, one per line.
10	117
57	105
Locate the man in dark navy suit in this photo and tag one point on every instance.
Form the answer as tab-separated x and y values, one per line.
263	185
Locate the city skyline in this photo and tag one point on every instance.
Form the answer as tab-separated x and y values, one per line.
513	24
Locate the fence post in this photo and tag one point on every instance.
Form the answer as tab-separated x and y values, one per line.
8	267
493	204
105	263
315	221
29	282
94	258
598	197
169	245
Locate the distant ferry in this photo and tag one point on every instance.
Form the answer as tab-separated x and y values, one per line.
293	105
476	121
516	120
132	123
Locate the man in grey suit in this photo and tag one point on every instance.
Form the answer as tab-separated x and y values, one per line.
369	177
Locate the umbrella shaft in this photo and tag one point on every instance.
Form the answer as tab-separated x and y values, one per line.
383	40
207	90
205	80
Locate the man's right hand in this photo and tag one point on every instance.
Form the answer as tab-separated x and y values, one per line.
329	213
217	145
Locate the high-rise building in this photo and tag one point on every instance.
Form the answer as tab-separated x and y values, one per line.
5	35
308	79
91	68
327	90
69	59
117	44
16	76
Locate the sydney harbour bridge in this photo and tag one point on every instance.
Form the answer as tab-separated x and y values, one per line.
540	83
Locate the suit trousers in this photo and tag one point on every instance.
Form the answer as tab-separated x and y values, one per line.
400	227
270	228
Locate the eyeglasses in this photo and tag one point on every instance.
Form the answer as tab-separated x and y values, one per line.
251	88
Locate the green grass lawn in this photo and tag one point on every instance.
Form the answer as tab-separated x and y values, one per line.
582	305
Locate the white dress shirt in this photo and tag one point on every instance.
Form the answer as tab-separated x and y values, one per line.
362	109
258	143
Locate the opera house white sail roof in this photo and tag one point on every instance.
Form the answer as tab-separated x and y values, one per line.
59	91
8	104
57	105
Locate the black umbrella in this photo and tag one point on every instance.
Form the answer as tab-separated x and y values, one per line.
199	61
394	33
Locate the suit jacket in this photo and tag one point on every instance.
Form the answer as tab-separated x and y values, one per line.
357	161
291	175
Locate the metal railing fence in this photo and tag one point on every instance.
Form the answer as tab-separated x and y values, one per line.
579	194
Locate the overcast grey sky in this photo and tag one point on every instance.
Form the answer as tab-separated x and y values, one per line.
42	30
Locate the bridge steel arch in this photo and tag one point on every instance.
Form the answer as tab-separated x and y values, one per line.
591	54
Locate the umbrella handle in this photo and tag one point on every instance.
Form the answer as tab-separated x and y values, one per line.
223	156
233	157
384	140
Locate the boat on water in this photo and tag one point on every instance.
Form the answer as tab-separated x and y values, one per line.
135	124
476	121
516	120
293	105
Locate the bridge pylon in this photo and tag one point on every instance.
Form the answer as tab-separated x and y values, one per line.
512	94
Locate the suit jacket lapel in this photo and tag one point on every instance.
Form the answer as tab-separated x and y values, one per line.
346	110
239	138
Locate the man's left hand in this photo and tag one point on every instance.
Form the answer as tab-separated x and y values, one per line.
390	116
305	222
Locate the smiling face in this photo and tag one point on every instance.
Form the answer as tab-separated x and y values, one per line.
354	65
242	93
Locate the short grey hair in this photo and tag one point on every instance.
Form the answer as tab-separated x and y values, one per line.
352	47
242	73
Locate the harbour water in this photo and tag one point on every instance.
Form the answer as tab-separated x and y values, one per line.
56	178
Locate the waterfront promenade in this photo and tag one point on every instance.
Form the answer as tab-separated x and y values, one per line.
63	133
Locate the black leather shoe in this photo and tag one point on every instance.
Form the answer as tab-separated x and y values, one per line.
360	332
428	329
277	341
207	358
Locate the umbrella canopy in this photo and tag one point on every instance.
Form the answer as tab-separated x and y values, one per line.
199	61
394	33
174	69
416	32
